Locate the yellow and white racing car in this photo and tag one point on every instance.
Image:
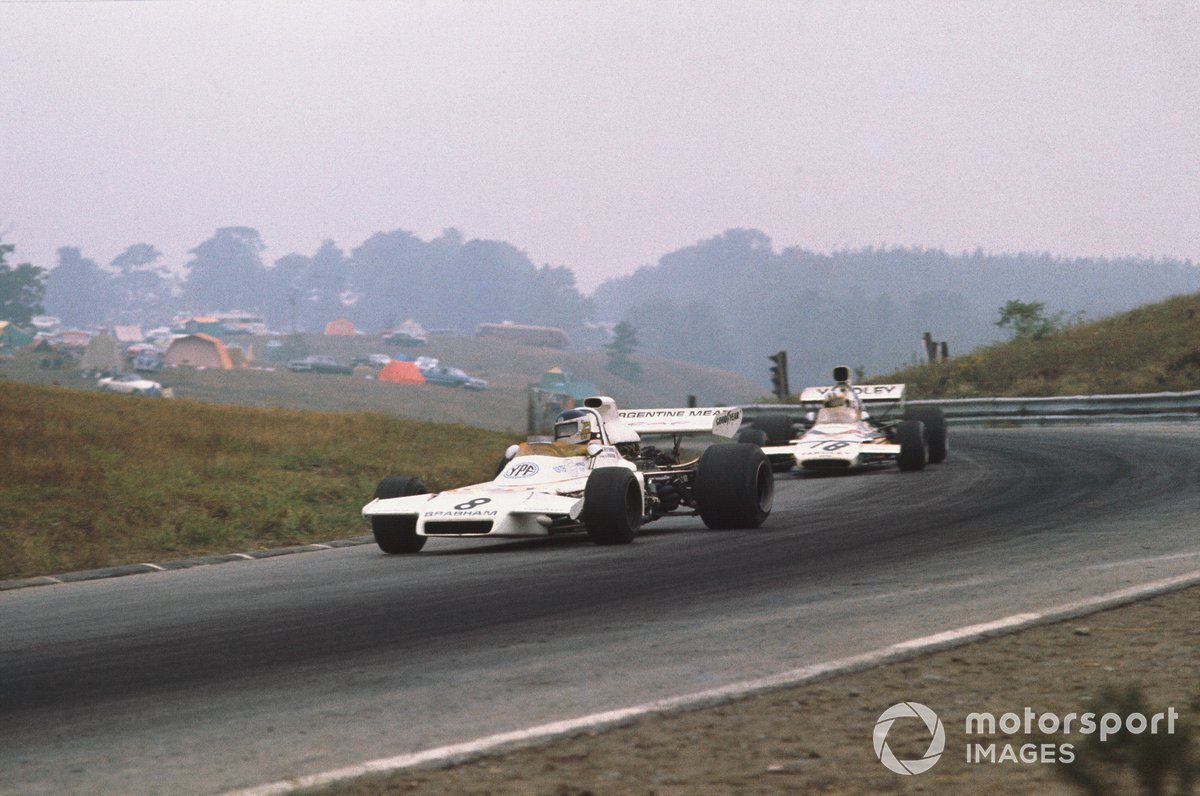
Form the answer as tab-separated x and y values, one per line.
842	435
595	475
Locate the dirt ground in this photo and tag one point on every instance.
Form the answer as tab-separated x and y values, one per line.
817	738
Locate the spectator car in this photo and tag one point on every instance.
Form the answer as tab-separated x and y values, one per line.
451	377
130	384
318	364
374	360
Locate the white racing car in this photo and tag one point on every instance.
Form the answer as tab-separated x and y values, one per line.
841	433
596	475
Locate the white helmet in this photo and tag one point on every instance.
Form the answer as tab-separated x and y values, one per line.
573	426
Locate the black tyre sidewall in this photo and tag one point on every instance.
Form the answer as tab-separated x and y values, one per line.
612	506
752	436
936	432
913	453
778	428
395	534
734	486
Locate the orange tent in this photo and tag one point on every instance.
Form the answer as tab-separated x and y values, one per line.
401	372
197	351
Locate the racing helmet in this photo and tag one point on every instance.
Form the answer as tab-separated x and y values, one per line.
836	398
573	426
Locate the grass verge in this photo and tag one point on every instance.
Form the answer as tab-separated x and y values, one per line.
90	480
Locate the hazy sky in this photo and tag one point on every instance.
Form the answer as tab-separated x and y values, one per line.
602	135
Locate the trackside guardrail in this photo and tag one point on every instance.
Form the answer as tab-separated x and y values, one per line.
1159	406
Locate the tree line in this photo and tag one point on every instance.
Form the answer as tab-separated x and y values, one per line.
391	277
732	300
728	301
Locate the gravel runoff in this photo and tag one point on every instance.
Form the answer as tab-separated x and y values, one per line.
818	738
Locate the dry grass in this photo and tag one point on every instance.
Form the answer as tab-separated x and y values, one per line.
508	367
89	479
1153	348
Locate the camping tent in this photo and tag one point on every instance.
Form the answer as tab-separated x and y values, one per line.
197	351
204	324
237	357
102	354
400	372
557	381
128	334
13	337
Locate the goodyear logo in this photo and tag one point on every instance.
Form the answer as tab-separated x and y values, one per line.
733	418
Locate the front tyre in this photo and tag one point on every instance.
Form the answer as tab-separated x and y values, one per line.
913	453
398	534
612	506
936	434
734	486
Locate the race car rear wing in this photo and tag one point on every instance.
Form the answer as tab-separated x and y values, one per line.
720	420
866	393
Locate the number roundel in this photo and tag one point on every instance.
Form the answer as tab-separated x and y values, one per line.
470	504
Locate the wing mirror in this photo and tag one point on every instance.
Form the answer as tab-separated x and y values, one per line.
593	449
510	452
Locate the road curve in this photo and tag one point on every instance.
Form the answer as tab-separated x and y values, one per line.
216	678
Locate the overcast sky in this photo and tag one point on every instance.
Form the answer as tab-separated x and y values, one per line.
602	135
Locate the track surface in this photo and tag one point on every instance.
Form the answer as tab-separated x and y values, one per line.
216	678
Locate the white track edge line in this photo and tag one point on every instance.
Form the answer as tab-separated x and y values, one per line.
467	750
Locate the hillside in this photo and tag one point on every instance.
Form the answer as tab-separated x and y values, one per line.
508	367
1153	348
92	479
731	300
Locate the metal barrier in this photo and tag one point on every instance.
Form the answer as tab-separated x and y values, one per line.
1159	406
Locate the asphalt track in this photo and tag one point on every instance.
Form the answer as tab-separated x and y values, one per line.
217	678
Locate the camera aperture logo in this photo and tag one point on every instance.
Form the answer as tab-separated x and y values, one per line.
906	710
982	745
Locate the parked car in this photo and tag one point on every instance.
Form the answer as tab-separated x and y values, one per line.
374	360
130	384
450	377
148	361
317	364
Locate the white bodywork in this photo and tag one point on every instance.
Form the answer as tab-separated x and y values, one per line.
541	487
841	437
129	384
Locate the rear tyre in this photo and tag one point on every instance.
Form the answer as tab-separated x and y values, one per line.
398	534
778	428
913	453
734	486
752	436
936	433
612	506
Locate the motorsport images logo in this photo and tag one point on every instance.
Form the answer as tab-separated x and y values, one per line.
907	710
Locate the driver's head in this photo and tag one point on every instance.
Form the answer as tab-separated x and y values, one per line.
572	426
836	398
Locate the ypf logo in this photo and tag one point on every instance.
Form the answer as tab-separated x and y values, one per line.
522	470
909	710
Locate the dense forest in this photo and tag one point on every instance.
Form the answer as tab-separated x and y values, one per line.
727	301
732	300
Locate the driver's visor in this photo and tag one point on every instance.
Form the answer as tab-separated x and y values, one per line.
569	429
